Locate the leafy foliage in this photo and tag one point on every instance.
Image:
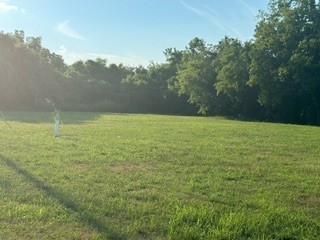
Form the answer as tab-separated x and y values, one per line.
286	60
232	67
273	77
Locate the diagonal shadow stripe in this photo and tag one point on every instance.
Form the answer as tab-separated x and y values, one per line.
64	199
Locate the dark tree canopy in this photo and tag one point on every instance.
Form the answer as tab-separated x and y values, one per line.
285	60
275	76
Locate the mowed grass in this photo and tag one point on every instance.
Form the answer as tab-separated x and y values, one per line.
117	176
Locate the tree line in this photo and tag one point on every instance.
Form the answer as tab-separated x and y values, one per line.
274	77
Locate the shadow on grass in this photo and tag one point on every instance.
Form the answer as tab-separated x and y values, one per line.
83	215
46	117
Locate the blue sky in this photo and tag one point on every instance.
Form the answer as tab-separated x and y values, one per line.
132	32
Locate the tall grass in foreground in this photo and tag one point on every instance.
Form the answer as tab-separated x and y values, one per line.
117	176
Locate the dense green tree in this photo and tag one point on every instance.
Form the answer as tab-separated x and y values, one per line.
96	85
34	43
232	68
274	76
26	77
285	60
149	90
196	77
173	59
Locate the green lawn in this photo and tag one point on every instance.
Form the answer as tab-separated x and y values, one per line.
118	176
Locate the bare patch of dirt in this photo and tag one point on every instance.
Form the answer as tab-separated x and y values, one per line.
81	166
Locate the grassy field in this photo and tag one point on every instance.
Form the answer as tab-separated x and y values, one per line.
117	176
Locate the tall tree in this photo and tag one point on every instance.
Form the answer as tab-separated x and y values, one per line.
196	76
285	60
232	67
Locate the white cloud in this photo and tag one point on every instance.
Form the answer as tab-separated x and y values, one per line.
64	28
249	8
129	60
193	9
223	25
210	16
7	7
62	50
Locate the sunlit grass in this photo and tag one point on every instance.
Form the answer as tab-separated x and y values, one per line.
112	176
